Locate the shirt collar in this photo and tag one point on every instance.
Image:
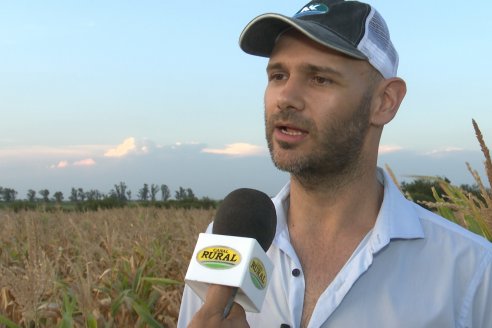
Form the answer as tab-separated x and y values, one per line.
281	202
397	218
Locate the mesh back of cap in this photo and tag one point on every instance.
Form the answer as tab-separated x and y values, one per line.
377	46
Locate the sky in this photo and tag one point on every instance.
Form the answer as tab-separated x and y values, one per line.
93	93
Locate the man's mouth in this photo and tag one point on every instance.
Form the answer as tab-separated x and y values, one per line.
288	134
291	131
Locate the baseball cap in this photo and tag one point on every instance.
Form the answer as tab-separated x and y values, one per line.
350	27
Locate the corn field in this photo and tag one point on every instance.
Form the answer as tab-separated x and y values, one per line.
114	268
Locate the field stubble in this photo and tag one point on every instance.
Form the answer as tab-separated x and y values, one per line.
110	268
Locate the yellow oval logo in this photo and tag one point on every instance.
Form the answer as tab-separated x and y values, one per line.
258	273
218	257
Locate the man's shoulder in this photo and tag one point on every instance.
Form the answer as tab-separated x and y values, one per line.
436	229
439	229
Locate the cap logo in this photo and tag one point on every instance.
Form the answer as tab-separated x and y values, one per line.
312	9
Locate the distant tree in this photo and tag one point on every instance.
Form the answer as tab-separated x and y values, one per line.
184	194
475	191
89	195
8	194
143	193
31	195
420	189
180	194
207	203
165	193
154	189
129	194
190	195
45	194
58	196
93	194
74	195
120	191
81	194
13	194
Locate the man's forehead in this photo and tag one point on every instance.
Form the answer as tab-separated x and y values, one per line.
294	49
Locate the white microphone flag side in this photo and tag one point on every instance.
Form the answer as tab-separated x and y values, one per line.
230	261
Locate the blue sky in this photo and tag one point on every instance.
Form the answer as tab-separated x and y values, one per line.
97	92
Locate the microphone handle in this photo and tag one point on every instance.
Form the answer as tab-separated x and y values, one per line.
230	302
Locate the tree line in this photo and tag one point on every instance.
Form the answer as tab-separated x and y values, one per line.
420	190
120	191
120	195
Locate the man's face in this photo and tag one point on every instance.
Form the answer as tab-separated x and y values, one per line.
317	108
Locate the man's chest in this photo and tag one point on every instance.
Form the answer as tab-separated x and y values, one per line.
383	291
320	263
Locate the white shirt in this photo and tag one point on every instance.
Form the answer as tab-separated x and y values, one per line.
413	269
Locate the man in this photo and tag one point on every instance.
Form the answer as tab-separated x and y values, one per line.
350	250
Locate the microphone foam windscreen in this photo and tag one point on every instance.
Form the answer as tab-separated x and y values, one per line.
247	213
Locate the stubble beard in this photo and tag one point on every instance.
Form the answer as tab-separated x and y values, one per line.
337	157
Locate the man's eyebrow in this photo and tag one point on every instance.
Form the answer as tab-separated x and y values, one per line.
274	66
309	68
320	69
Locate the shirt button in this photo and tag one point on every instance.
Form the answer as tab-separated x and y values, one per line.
284	325
296	272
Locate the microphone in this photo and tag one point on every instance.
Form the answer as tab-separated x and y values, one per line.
234	254
247	213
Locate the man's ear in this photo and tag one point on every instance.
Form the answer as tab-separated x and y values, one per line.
389	96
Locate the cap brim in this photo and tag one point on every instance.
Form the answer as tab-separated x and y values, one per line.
259	36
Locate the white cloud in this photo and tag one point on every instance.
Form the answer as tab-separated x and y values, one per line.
386	149
60	165
181	145
443	151
237	149
131	146
85	162
122	149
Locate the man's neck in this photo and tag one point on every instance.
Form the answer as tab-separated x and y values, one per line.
345	205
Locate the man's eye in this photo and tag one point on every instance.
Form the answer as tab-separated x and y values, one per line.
276	76
321	80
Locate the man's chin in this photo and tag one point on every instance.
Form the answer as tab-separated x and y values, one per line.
291	166
289	160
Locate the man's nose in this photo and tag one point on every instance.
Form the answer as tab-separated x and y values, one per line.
291	95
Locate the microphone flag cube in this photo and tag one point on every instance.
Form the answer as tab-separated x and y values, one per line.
230	261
